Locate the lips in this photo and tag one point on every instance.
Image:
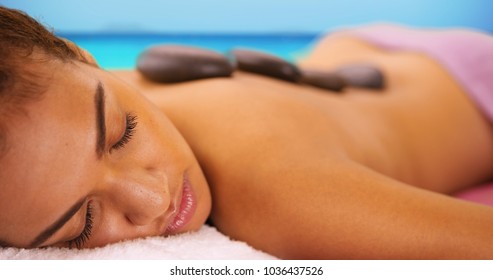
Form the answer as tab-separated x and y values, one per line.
187	204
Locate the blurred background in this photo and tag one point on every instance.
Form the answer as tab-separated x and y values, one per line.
116	31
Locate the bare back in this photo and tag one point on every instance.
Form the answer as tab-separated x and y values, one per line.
283	158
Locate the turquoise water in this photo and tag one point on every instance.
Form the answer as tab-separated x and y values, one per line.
116	51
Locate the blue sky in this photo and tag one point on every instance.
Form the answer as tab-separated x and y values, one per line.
250	16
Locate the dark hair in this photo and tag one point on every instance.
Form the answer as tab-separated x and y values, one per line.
23	43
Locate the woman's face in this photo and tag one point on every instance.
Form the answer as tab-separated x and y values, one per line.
93	162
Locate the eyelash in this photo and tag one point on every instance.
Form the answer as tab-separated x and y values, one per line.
131	124
84	236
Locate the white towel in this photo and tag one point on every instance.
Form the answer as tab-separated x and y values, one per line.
205	244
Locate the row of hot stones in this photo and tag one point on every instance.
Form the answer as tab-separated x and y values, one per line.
173	64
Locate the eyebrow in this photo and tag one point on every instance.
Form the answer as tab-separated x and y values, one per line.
99	98
58	224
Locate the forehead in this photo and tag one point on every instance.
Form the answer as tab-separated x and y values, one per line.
50	146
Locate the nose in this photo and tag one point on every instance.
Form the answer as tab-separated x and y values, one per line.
141	198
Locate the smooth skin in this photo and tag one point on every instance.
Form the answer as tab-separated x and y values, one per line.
293	170
303	173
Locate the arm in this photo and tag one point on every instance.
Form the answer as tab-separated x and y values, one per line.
362	214
357	213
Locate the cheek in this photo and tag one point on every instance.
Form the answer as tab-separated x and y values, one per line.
157	139
110	229
161	144
157	130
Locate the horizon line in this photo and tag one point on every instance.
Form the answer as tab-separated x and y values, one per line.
190	33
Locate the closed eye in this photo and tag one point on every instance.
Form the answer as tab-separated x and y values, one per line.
84	236
130	125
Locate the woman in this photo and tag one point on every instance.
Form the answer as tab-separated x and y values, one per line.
299	173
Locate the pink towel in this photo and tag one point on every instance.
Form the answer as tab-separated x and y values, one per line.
466	54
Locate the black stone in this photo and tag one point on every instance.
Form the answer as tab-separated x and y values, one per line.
265	64
361	75
172	63
323	79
